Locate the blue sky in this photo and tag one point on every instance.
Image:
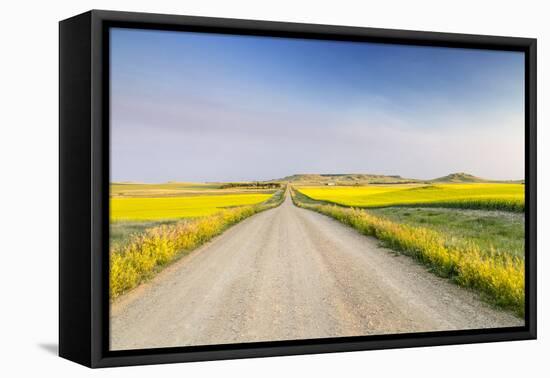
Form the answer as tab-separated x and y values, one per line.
210	107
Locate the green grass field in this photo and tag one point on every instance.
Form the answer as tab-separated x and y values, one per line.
502	232
508	197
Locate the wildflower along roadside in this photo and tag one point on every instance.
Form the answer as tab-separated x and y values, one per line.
500	278
148	252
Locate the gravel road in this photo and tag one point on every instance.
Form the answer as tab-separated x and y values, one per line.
290	273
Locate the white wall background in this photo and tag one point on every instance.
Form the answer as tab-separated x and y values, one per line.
29	189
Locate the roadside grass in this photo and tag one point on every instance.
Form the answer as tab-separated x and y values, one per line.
122	232
146	253
492	231
486	196
498	277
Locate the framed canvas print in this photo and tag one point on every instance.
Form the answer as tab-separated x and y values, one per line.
234	188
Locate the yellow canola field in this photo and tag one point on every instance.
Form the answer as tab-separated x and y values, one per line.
162	208
477	195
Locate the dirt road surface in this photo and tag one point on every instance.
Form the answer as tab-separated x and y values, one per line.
287	274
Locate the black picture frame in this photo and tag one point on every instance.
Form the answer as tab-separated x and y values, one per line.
84	188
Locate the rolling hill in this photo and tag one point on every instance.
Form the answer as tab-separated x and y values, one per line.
459	177
366	178
346	179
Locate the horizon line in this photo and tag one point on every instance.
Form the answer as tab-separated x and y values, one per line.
304	174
